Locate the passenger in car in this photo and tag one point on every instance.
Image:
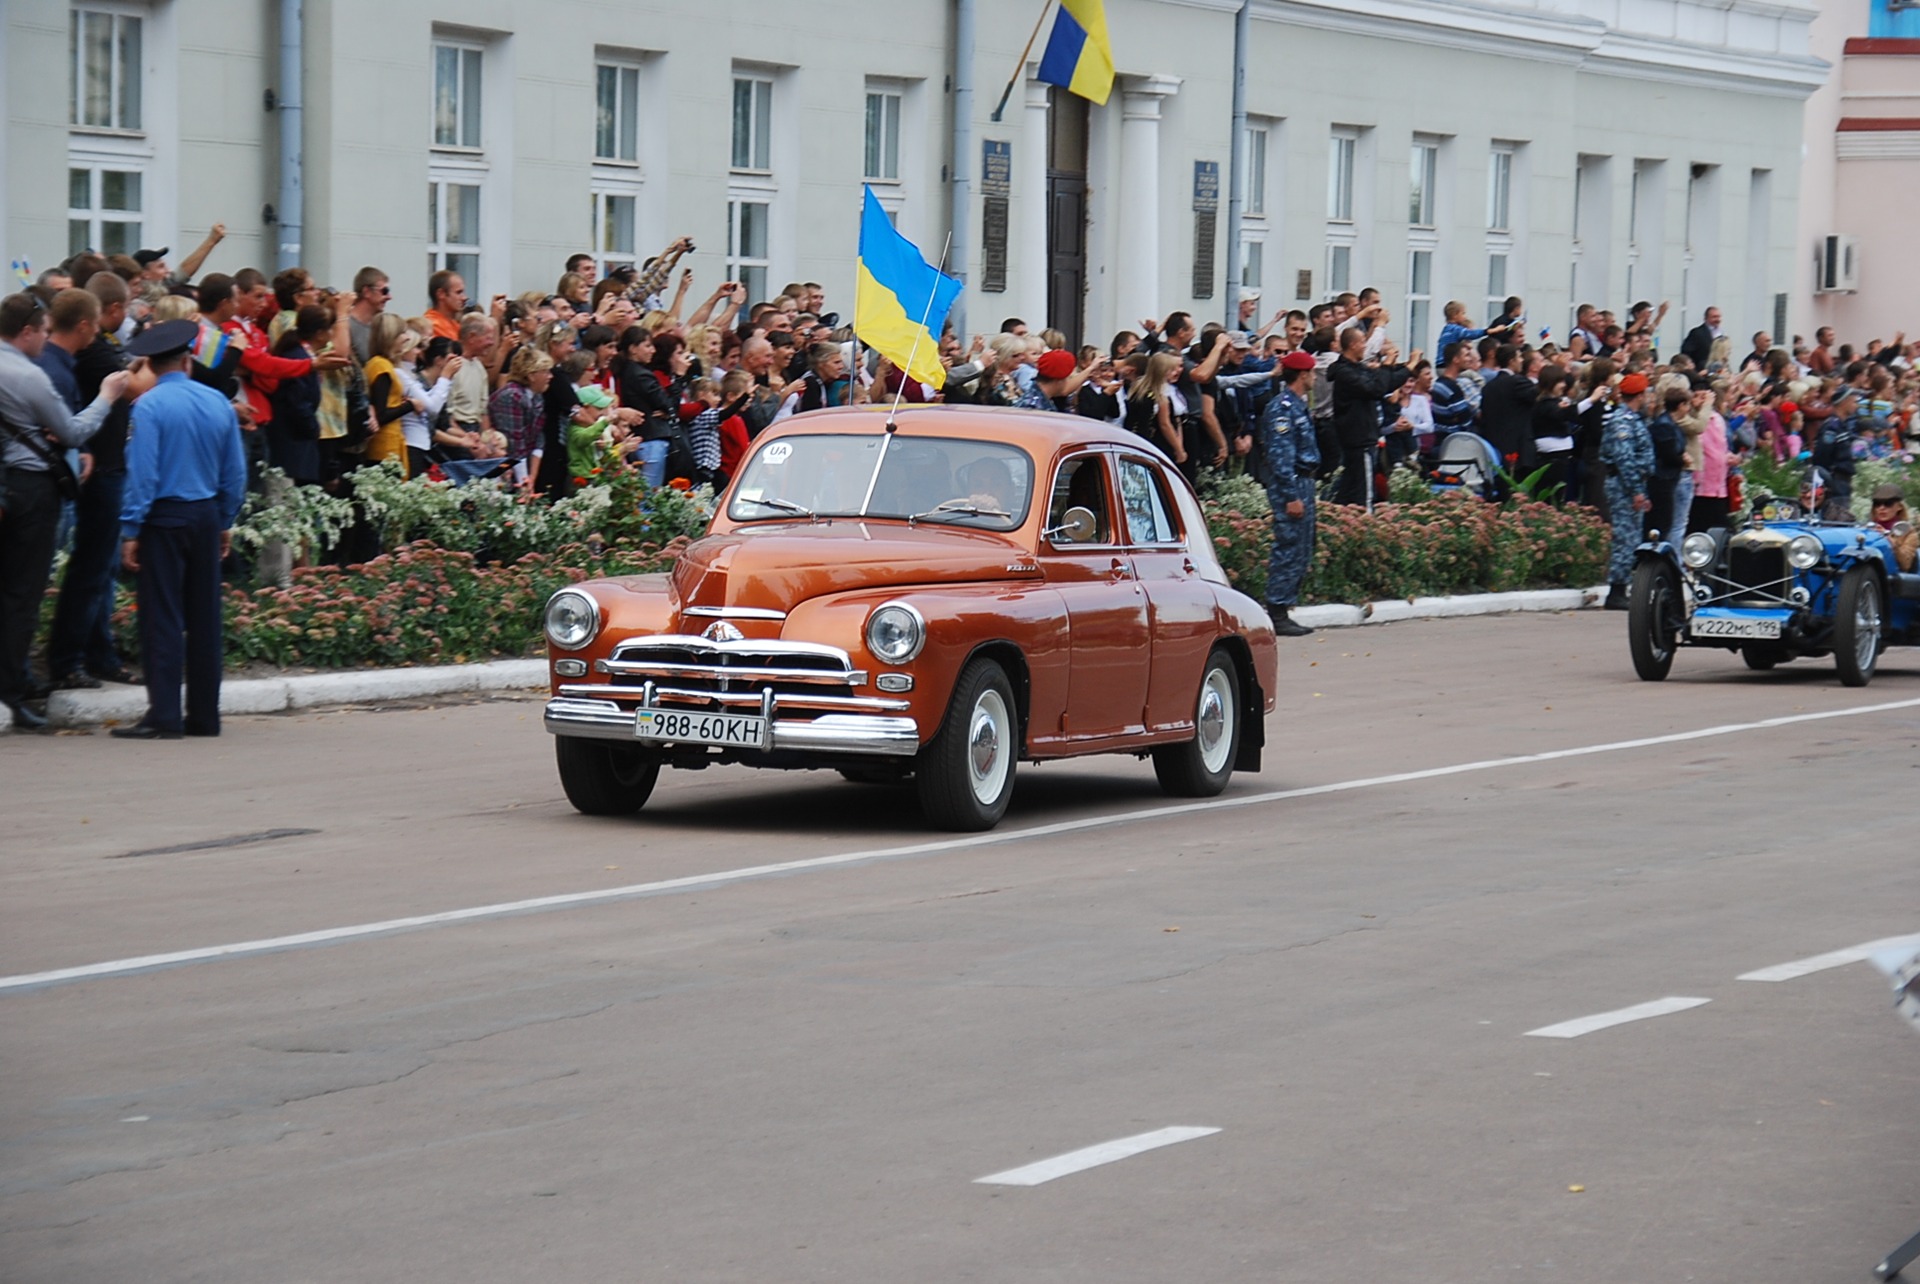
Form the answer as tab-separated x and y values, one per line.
1889	510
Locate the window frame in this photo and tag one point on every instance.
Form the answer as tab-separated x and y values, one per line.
1106	486
740	265
1500	165
1343	158
1419	302
120	85
1423	191
469	95
95	214
1253	201
759	139
624	113
1169	509
885	92
442	251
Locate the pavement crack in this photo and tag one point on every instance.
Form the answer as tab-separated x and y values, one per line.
354	1087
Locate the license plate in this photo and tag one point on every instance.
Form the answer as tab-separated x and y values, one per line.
726	729
1733	626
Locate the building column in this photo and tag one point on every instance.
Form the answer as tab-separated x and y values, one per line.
1137	267
1029	293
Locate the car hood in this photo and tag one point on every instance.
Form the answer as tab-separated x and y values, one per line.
779	566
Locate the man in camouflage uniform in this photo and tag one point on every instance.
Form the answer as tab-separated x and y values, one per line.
1292	458
1626	448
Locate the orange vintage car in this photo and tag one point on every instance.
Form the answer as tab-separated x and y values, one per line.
934	595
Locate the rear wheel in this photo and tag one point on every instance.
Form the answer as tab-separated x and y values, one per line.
1201	767
964	775
1858	628
1653	602
602	778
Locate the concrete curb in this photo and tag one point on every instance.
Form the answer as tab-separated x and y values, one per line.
316	690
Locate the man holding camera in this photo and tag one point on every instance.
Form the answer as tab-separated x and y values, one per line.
36	429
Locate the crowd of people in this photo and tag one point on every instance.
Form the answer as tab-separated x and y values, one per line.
566	389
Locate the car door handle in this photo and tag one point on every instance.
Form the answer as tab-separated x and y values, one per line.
1120	570
1186	564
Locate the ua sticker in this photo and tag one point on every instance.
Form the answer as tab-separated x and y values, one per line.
779	452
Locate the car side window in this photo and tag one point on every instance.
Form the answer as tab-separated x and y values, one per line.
1143	497
1080	484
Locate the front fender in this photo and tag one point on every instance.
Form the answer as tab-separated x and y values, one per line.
1663	549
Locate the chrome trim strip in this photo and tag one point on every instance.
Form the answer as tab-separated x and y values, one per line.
652	668
734	612
601	691
830	733
679	641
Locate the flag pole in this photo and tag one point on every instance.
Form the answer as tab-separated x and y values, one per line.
1007	93
906	372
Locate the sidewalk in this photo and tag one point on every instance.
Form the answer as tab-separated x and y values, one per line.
316	690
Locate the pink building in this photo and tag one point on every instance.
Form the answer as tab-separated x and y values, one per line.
1858	269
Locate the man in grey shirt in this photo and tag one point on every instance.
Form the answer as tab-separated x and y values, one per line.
38	427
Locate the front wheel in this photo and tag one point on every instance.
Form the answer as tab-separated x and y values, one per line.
1652	602
602	778
1201	767
1857	630
964	775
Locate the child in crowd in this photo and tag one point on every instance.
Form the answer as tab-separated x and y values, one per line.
592	435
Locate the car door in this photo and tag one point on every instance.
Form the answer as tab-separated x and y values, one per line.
1105	606
1180	605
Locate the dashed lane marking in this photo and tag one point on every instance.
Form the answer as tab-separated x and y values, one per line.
1078	1161
1602	1020
697	882
1832	958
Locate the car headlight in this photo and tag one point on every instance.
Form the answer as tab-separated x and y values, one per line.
572	619
895	633
1804	551
1698	550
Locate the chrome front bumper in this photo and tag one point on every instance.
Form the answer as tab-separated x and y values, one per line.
852	733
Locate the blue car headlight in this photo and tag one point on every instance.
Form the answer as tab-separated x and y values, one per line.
1697	551
1804	552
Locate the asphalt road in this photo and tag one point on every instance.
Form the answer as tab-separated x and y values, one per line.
802	1075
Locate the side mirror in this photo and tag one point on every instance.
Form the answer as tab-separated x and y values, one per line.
1901	528
1078	525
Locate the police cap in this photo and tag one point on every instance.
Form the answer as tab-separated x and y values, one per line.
168	339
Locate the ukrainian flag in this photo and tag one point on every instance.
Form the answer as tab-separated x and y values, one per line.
1079	57
899	303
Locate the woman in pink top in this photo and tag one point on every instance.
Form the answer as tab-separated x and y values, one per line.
1710	483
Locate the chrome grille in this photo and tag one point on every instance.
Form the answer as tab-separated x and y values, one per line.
1757	570
700	673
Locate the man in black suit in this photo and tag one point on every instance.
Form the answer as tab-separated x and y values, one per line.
1506	412
1697	347
1357	391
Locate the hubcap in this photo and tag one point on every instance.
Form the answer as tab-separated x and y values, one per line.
1866	625
989	731
1214	720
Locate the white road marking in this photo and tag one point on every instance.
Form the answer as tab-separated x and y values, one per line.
1832	958
1601	1020
1078	1161
571	900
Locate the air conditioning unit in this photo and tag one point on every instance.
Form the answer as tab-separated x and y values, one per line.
1838	271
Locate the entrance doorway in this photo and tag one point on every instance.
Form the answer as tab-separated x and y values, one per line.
1067	214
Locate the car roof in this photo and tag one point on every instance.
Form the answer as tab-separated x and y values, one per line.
1041	433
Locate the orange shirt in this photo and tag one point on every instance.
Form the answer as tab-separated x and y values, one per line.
444	327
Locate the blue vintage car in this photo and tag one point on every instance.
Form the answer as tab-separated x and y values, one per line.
1787	586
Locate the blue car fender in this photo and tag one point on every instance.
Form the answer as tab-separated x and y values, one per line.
1663	549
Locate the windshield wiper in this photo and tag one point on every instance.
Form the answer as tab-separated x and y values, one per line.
959	508
784	505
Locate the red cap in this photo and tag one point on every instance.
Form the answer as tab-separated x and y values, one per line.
1297	361
1057	363
1633	385
1789	408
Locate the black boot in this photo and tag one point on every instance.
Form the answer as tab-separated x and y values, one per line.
1616	597
1285	626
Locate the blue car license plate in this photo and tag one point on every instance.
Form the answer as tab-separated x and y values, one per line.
1717	622
726	729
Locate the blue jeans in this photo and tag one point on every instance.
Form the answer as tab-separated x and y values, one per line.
653	463
82	634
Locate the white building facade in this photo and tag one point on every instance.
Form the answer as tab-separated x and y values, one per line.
1435	149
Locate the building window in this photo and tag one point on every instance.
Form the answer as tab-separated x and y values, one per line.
104	207
1253	264
1254	199
1422	172
1496	284
747	254
1500	188
1419	298
456	96
453	229
1339	268
616	131
1340	157
752	124
616	217
883	134
104	51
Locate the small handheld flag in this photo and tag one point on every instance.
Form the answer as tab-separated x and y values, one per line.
899	303
1079	56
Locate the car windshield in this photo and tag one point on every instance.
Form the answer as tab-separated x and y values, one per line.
948	480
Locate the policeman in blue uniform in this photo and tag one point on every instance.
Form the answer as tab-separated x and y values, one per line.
1292	458
186	477
1626	448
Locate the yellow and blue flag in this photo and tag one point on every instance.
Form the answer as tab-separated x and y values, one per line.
1079	57
899	303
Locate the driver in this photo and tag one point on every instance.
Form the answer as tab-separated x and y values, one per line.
1889	510
989	485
